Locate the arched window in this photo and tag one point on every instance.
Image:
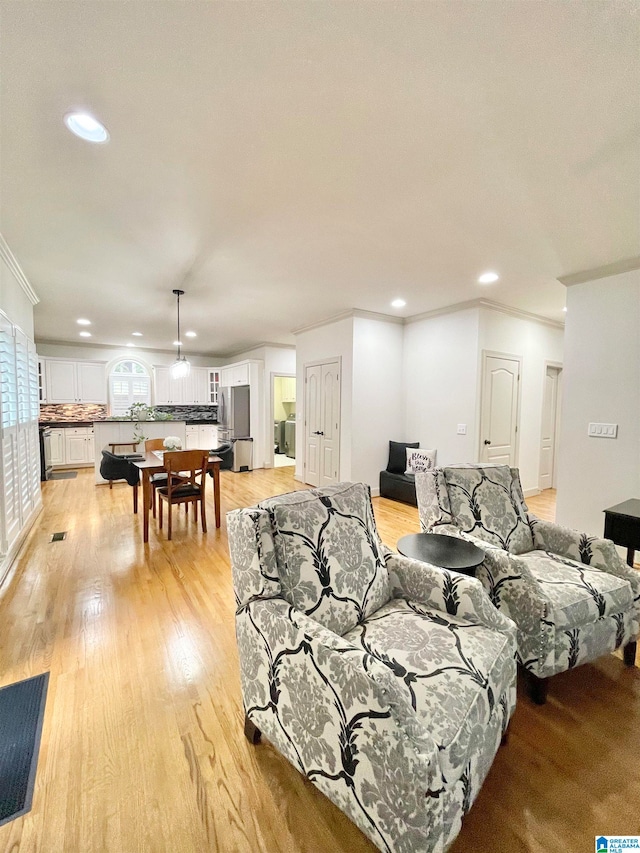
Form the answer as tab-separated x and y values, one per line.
129	383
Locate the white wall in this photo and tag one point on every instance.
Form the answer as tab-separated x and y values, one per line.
536	343
326	342
377	413
601	384
440	377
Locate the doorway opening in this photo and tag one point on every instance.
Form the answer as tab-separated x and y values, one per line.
550	425
284	419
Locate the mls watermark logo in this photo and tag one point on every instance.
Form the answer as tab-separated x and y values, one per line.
617	843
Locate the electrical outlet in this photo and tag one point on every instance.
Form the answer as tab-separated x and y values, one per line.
462	429
603	430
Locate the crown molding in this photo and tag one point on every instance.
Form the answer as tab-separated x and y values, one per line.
626	265
348	315
254	347
491	306
16	270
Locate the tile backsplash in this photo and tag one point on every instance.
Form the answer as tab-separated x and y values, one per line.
191	413
72	412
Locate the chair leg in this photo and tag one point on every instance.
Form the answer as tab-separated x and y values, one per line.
110	484
203	514
251	731
505	738
186	508
161	513
538	688
629	653
169	522
135	499
153	501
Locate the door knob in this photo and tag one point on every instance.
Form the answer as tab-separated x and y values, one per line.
486	441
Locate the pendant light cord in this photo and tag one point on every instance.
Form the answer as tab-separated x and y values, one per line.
178	294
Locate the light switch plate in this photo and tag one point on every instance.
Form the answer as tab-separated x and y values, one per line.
462	429
603	430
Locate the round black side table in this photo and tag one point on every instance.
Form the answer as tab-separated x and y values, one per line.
446	552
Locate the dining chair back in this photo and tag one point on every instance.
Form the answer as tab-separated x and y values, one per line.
156	480
185	470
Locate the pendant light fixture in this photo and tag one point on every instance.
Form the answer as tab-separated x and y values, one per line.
180	367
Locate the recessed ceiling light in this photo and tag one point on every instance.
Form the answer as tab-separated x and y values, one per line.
488	278
85	334
398	303
177	343
565	308
191	334
86	127
82	322
137	334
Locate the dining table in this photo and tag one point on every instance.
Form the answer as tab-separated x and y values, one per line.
151	463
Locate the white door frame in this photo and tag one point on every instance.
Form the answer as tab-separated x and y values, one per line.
315	363
559	366
487	353
272	399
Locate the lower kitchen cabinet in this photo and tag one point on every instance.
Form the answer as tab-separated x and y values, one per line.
72	446
202	436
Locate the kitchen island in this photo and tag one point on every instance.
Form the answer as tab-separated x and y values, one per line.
121	432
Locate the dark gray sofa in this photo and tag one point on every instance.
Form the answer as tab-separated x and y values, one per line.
394	483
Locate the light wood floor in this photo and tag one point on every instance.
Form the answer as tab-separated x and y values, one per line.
142	747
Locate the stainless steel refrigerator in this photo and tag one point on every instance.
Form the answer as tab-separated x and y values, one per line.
234	412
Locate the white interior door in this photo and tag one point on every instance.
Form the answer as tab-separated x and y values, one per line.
499	409
322	423
550	412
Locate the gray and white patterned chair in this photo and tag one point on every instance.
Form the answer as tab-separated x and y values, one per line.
571	596
387	682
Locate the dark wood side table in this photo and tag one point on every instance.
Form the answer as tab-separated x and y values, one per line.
446	552
622	526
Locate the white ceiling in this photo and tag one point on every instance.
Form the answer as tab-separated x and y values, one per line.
283	162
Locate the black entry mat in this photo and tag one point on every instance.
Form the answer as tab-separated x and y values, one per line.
64	475
21	713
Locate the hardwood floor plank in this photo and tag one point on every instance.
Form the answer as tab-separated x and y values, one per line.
142	746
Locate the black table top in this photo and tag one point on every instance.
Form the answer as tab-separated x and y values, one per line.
446	552
630	508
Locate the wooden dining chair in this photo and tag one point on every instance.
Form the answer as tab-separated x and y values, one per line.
185	470
157	479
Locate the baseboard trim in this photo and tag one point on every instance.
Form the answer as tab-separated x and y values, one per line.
375	493
531	493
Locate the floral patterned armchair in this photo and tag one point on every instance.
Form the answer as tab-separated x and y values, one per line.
571	596
387	682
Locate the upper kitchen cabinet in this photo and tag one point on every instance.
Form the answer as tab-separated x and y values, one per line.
235	374
75	381
190	390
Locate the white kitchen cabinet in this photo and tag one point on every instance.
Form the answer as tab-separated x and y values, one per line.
214	385
202	436
78	446
208	436
235	374
191	390
193	437
75	381
57	447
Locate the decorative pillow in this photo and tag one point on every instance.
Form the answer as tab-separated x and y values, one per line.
398	456
420	460
329	556
483	503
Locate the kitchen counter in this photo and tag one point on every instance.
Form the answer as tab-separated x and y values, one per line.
121	432
202	421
